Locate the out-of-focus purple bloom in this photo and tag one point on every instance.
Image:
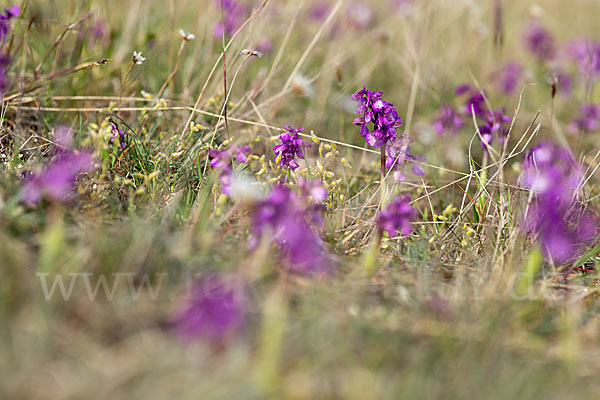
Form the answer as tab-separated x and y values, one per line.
398	155
561	222
588	119
287	218
564	81
222	161
57	180
99	34
234	14
397	217
291	146
448	121
314	193
312	189
215	310
475	102
374	110
586	53
360	15
4	63
401	4
9	13
509	76
319	10
462	89
539	41
497	124
265	46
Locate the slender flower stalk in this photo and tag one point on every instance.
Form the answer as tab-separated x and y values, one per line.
136	59
186	37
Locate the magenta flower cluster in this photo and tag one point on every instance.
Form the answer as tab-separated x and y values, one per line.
497	124
234	14
399	155
222	160
556	217
57	180
588	119
448	121
291	146
397	217
288	220
539	41
215	310
379	119
5	18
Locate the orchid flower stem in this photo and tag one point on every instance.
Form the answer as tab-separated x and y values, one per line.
483	183
382	149
371	256
123	82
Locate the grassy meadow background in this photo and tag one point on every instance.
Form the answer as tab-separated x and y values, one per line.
464	307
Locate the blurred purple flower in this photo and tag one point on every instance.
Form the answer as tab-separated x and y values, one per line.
222	161
475	102
539	41
9	13
265	46
398	155
57	180
561	222
291	146
360	15
587	120
287	218
380	113
99	34
312	189
564	81
462	89
397	217
497	125
214	311
448	121
586	53
319	10
234	14
401	4
4	63
509	76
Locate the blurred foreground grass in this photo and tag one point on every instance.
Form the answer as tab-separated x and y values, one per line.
443	317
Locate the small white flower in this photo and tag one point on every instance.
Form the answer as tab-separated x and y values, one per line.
137	57
186	36
253	53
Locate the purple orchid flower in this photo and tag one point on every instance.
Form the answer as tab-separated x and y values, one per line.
376	112
214	311
291	146
397	217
